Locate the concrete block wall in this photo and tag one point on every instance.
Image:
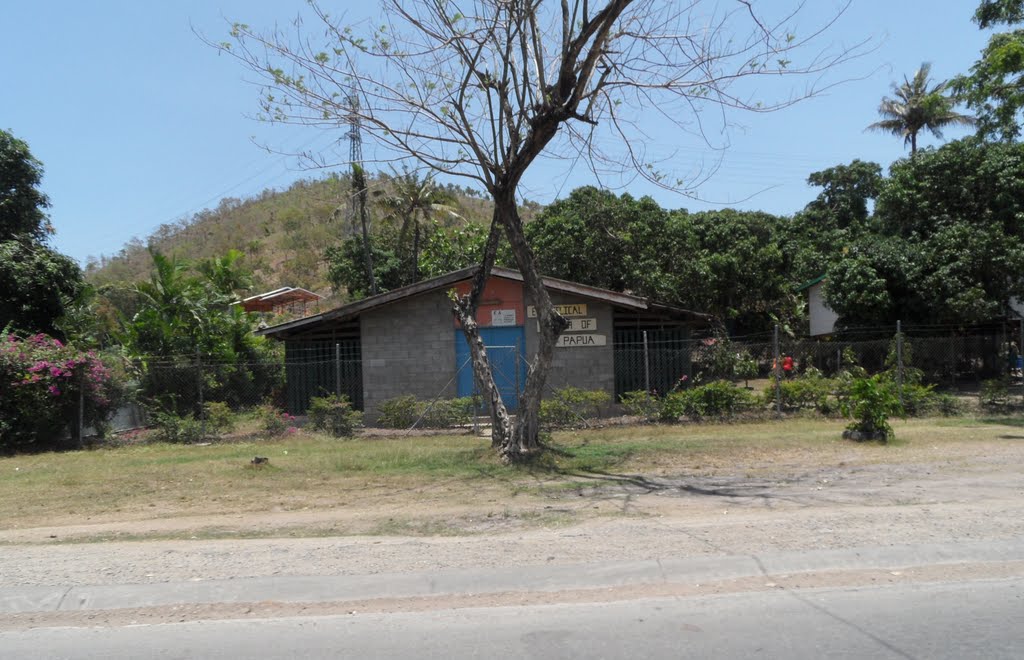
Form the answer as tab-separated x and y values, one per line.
408	348
586	367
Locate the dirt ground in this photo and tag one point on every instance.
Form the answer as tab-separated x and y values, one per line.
973	491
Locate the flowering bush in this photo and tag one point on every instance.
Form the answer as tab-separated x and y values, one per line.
276	422
41	383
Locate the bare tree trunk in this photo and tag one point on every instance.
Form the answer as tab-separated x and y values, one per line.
525	440
465	310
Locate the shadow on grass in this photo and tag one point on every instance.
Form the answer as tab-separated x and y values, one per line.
1003	421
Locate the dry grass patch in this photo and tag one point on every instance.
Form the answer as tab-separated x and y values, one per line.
423	484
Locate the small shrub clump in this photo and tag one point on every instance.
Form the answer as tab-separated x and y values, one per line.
400	412
870	403
177	429
404	411
219	417
641	403
334	415
571	406
275	422
719	400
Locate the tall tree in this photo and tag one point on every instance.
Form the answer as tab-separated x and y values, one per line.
22	204
411	202
994	89
481	88
918	106
36	282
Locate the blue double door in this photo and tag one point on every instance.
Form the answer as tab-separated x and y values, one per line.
504	349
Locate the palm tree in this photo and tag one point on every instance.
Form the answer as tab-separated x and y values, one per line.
916	107
412	202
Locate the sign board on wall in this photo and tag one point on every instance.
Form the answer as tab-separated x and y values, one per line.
503	317
578	325
573	309
569	341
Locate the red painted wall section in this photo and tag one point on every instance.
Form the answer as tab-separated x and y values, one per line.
499	295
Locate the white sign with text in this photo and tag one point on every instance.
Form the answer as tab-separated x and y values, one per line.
570	341
503	317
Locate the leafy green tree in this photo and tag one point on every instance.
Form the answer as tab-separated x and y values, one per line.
740	262
22	205
450	248
994	88
411	202
36	285
813	238
226	275
947	246
598	238
870	284
346	266
182	317
918	106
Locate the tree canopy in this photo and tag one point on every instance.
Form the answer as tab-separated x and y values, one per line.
36	283
22	204
916	107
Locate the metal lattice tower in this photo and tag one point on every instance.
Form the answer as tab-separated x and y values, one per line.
355	141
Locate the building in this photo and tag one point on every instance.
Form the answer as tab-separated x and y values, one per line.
822	318
406	341
286	300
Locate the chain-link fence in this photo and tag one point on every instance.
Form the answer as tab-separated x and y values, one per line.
953	360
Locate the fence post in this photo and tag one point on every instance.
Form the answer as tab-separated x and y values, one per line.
777	368
199	382
647	366
81	409
899	360
519	387
337	370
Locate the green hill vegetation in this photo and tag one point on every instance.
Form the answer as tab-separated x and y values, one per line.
284	235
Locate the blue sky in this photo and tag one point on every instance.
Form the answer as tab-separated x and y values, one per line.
138	123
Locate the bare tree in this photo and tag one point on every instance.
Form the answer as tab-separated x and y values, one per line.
481	88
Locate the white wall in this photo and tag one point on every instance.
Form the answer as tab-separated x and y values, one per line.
823	319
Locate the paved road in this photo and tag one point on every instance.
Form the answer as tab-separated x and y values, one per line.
977	619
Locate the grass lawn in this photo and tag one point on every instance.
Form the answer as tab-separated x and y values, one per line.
434	473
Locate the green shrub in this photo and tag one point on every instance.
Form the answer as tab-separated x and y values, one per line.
398	413
334	415
640	403
810	391
274	421
571	405
219	417
995	393
919	400
675	405
447	413
718	399
404	411
177	429
948	405
869	404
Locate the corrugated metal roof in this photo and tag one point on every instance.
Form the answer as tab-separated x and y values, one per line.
354	309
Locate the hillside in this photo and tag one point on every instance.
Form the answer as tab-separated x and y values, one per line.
283	234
